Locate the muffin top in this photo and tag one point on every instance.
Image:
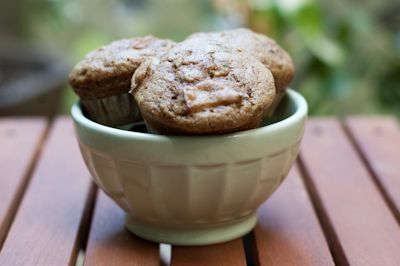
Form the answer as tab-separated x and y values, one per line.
108	70
202	87
266	50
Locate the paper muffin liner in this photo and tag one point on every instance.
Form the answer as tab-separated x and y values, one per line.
112	111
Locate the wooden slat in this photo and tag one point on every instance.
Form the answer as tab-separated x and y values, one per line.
20	141
45	229
229	254
288	231
111	244
378	139
360	226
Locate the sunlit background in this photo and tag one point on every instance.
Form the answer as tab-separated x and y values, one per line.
347	53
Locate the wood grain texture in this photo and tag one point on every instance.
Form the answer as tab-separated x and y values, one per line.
288	231
378	139
111	244
20	141
229	254
45	229
360	226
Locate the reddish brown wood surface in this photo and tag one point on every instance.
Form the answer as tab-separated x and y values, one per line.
48	227
360	226
378	139
111	244
229	254
45	229
288	231
19	144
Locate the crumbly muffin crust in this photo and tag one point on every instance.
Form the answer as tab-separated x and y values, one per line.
266	50
202	88
108	70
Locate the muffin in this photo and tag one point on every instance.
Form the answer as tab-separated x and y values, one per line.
202	88
102	79
266	50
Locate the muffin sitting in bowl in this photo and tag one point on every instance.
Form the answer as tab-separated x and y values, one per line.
103	78
202	87
264	49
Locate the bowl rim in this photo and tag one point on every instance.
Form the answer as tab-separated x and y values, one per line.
297	98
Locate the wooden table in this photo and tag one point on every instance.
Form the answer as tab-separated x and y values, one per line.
339	205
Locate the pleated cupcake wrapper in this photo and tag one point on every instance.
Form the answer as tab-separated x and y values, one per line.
113	111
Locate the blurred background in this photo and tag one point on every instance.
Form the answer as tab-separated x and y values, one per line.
347	53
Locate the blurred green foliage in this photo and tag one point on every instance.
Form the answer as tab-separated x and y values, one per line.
347	53
75	27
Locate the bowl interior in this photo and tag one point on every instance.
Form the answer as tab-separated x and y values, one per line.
286	108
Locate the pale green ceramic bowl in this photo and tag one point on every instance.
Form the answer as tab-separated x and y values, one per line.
192	190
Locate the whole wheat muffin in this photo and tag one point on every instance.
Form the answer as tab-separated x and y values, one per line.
202	88
102	79
265	49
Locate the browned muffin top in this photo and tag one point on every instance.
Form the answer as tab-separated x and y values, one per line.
108	70
202	88
260	46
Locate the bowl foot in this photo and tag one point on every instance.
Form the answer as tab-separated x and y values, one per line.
192	236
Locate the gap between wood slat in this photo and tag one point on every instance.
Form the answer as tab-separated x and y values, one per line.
84	228
14	206
165	254
331	238
288	231
375	174
250	249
